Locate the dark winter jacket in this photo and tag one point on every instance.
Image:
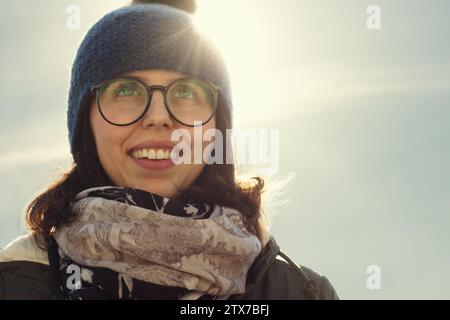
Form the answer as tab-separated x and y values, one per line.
25	274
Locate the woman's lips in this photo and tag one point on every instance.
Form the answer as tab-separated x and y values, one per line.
164	144
153	164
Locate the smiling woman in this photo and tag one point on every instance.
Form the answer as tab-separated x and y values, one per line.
126	222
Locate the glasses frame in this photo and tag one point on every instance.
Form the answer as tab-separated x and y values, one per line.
150	88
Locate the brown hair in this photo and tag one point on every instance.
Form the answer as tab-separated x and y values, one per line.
216	185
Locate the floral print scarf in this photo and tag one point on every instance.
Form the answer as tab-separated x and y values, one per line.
127	243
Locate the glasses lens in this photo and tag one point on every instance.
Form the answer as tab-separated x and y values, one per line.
191	100
122	101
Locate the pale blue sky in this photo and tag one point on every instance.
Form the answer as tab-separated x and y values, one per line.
363	118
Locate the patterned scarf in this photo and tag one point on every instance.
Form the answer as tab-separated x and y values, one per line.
127	243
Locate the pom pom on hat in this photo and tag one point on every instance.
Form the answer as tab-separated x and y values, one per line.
189	6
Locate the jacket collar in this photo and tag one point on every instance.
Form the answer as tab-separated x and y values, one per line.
24	248
262	263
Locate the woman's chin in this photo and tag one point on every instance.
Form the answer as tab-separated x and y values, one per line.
156	187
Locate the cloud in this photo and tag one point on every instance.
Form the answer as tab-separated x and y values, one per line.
32	154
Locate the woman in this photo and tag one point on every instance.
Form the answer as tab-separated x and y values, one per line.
126	222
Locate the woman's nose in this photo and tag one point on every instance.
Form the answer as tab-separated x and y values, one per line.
157	114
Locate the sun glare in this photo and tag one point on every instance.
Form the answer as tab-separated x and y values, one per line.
236	30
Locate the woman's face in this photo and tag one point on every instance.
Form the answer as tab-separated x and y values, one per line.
114	142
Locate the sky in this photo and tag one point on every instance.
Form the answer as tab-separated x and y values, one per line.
362	116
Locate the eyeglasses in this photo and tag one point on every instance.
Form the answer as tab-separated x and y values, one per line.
125	100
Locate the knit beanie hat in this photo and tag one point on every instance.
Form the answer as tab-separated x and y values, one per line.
142	36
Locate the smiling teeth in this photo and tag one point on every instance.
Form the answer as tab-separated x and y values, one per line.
152	154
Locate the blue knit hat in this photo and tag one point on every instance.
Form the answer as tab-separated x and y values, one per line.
140	37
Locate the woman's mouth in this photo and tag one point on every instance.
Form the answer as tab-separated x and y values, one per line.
150	158
151	154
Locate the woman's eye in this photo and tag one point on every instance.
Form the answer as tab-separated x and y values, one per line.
185	92
127	90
